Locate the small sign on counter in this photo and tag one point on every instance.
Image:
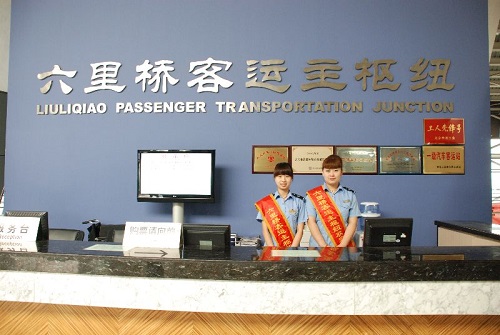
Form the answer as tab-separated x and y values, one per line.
19	228
152	239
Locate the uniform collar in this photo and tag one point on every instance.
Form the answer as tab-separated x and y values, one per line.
277	195
340	188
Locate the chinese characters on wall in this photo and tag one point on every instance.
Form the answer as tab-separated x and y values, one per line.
211	76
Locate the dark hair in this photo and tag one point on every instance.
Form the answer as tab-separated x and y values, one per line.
332	162
283	168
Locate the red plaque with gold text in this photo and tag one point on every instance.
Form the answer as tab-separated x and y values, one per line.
444	131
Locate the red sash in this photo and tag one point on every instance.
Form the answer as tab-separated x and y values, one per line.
329	254
275	220
329	215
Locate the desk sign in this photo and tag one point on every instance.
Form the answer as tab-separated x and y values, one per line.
18	246
18	229
152	235
153	252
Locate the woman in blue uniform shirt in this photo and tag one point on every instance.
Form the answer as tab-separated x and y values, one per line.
283	213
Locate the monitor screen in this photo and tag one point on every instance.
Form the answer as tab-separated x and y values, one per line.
206	236
387	232
175	175
43	227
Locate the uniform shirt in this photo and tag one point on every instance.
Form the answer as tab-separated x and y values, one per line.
346	202
294	209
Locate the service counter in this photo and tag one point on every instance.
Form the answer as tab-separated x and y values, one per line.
467	233
68	276
356	277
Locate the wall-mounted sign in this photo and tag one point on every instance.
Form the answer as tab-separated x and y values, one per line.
358	159
443	159
307	159
265	158
444	131
400	160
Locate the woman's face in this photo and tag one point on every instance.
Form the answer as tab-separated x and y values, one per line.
283	182
332	176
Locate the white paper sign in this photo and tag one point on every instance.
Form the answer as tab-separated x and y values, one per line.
18	246
152	235
18	229
153	252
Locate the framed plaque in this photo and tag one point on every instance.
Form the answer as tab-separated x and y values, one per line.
400	160
265	158
358	159
443	159
309	159
444	131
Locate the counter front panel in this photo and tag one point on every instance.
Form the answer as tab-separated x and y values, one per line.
246	263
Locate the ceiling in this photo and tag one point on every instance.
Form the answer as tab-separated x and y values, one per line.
495	77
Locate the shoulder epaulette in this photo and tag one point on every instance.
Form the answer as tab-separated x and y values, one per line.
298	196
348	189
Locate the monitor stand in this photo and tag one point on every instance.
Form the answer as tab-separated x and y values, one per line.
178	212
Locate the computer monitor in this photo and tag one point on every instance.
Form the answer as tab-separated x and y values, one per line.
206	236
43	227
175	175
387	232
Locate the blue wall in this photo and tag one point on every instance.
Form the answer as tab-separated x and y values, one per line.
84	166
